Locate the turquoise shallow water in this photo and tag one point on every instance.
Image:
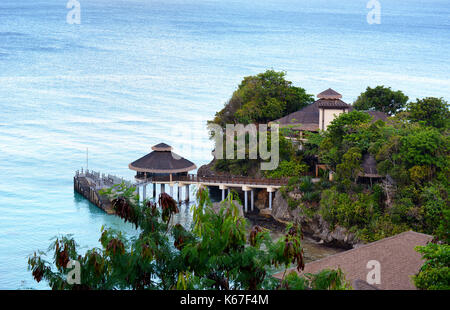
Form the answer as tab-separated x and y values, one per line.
135	73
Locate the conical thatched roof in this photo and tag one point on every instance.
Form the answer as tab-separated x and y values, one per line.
162	160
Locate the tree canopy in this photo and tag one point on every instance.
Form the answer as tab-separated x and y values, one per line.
262	98
430	111
215	253
382	99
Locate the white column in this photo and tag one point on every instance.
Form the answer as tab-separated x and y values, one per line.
179	193
223	194
154	190
270	200
163	188
252	199
246	203
144	192
171	190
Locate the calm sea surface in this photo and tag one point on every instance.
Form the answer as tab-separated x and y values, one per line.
136	73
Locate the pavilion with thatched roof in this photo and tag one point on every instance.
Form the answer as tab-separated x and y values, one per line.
161	162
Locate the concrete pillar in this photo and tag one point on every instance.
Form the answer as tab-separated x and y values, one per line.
246	189
179	194
270	190
252	204
223	188
171	190
163	188
144	192
187	193
154	190
246	204
270	200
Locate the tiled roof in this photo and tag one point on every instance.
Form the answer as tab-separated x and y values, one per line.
396	255
162	160
332	103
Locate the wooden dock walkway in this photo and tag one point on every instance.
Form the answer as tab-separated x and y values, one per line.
89	183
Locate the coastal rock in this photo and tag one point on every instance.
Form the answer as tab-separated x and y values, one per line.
316	226
262	200
280	208
265	212
217	205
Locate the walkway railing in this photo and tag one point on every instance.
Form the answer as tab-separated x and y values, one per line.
219	179
102	180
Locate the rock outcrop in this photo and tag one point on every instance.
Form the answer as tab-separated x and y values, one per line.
316	227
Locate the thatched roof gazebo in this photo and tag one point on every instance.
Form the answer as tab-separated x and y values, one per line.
161	162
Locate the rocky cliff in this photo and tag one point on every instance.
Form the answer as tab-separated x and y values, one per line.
315	226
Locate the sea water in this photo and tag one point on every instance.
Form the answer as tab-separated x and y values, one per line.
136	73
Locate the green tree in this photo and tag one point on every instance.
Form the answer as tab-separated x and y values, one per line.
215	253
435	272
382	99
430	111
262	98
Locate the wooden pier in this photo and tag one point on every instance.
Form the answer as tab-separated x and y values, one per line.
89	183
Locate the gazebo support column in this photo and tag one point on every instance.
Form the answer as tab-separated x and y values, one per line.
187	193
163	188
171	190
144	192
154	190
180	192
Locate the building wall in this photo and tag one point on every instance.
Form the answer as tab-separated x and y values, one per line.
326	116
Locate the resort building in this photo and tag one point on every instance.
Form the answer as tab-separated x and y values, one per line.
318	115
385	264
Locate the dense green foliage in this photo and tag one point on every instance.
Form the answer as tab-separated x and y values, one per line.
216	253
262	98
381	99
435	272
414	158
430	112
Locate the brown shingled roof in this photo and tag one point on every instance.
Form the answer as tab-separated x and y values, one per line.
162	160
332	103
307	115
329	94
396	255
